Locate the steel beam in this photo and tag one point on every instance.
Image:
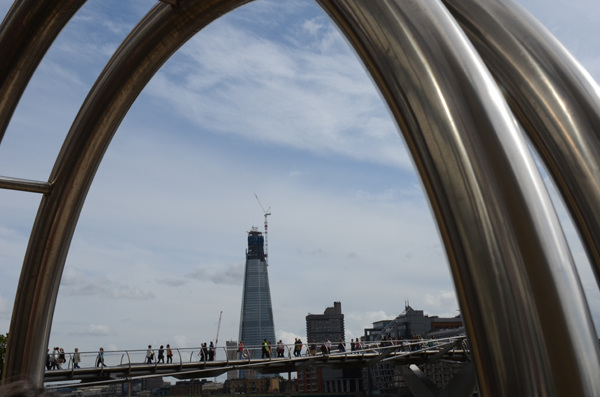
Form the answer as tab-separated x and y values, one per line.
24	185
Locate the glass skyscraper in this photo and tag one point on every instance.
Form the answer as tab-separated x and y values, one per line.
256	319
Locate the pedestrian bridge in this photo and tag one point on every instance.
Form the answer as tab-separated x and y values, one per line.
472	86
124	365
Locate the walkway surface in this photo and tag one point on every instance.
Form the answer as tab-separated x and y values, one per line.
129	364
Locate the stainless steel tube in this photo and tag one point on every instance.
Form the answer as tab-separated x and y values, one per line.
522	301
554	98
524	308
24	185
162	31
26	33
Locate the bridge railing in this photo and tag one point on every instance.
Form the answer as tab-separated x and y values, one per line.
225	354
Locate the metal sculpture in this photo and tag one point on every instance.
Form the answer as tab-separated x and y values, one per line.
523	304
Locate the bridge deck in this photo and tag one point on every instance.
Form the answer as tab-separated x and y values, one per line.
207	369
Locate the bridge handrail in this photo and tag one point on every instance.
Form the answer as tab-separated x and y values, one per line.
250	353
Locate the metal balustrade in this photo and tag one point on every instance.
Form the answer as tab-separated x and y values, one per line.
121	365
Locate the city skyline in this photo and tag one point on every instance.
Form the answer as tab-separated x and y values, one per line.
267	100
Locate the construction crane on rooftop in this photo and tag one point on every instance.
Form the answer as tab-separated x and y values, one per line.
266	212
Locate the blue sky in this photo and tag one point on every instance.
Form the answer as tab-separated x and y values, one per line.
268	100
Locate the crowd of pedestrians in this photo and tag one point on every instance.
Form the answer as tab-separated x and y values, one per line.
57	358
161	354
207	353
296	348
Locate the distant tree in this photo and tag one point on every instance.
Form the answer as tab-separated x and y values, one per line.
3	341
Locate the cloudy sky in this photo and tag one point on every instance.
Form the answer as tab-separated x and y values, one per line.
268	100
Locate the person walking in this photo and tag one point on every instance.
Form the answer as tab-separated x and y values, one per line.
61	358
149	355
211	352
241	350
54	358
169	354
328	346
100	358
204	352
265	349
313	348
324	349
280	348
161	354
341	346
76	359
298	348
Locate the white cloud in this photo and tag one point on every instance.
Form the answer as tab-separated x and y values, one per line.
75	283
289	337
289	114
235	82
98	330
232	274
442	304
181	341
312	26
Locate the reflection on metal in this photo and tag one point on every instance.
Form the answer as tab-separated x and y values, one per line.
560	115
24	185
523	305
522	302
23	45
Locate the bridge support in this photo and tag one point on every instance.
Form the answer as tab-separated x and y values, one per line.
462	385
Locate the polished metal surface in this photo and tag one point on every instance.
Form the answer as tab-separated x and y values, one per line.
518	289
24	185
526	316
160	33
27	32
553	97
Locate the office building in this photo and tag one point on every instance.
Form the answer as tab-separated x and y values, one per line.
256	319
320	328
411	323
386	379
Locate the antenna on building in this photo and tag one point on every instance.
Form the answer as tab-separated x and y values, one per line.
266	213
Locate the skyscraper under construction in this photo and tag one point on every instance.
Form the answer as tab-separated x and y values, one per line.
256	319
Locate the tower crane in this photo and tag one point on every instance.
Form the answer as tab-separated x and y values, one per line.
218	328
217	338
266	213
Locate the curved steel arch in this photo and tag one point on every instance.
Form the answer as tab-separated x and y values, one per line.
507	253
157	36
523	304
556	101
23	45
